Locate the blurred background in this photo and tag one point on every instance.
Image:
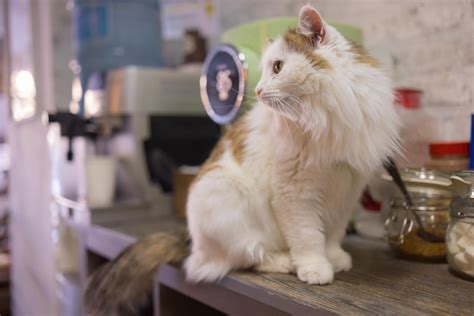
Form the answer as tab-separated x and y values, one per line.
102	117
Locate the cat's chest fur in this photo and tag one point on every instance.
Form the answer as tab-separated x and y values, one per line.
283	166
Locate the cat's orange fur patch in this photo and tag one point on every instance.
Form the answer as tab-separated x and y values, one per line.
235	137
303	44
362	56
211	162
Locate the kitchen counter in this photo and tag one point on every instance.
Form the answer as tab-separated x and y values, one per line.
379	282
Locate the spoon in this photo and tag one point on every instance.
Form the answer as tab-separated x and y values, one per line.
392	169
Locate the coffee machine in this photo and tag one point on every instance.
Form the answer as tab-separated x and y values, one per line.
145	118
155	125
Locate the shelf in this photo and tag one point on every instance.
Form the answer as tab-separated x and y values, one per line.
379	282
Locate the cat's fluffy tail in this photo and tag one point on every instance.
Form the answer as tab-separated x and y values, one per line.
121	286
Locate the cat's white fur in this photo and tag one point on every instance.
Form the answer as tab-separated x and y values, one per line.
314	139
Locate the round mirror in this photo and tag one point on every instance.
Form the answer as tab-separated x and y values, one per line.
223	81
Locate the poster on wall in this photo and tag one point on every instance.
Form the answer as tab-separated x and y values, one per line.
177	16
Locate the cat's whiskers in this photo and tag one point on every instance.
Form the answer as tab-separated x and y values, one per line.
299	86
281	100
247	96
285	108
296	115
296	118
302	119
290	134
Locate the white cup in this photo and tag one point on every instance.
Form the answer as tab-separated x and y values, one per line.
101	174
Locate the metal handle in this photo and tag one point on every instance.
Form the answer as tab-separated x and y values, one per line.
405	229
460	186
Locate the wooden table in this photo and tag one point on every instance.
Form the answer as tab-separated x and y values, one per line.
379	283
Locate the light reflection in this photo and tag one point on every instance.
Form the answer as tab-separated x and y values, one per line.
23	84
23	92
93	100
76	95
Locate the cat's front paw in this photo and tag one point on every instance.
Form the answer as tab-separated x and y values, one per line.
340	260
318	272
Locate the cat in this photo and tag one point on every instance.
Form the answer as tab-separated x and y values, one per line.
278	190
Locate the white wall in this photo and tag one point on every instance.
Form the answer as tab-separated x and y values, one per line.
427	44
61	30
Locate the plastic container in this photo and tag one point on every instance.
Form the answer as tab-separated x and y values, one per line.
101	173
183	177
413	135
460	235
471	163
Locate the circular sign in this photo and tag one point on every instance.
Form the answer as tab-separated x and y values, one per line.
222	83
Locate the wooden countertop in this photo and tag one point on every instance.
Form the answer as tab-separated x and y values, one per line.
379	283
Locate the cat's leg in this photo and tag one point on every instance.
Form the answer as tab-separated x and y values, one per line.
224	235
339	258
303	229
276	262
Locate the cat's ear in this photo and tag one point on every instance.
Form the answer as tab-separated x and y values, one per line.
267	43
311	23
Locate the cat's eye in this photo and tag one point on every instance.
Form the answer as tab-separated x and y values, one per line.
277	66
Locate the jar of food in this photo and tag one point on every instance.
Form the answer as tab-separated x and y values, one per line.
448	137
404	233
460	235
449	157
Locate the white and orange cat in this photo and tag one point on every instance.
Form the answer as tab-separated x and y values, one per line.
278	190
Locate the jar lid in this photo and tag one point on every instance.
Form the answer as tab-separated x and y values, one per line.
425	182
464	207
461	209
468	177
450	149
424	204
463	213
408	98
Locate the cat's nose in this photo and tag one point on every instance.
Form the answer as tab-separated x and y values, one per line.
258	91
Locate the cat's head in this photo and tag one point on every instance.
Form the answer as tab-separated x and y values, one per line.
312	74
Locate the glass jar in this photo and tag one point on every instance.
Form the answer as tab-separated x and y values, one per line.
403	231
449	157
409	106
460	235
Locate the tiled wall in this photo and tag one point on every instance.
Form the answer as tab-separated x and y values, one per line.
425	44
